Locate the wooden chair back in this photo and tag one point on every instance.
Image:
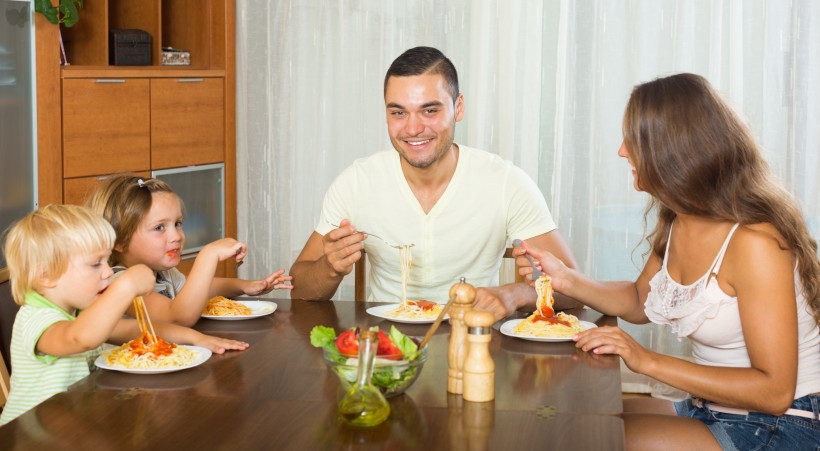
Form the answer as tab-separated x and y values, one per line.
360	281
8	311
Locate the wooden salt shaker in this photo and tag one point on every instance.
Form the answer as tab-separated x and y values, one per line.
463	295
479	369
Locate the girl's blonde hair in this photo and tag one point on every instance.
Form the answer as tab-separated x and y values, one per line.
42	243
124	200
695	155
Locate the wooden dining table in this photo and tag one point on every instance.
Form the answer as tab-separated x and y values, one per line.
280	394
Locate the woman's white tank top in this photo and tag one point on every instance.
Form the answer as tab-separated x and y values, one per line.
710	318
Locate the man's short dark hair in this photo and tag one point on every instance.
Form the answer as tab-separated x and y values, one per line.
421	61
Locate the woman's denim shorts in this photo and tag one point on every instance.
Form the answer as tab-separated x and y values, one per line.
759	430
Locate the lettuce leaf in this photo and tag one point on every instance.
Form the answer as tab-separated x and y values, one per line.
323	337
405	344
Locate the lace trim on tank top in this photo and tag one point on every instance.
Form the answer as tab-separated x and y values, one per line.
686	307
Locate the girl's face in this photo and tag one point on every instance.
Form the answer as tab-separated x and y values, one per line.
622	152
86	277
157	242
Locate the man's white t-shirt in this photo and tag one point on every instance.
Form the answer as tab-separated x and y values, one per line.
488	203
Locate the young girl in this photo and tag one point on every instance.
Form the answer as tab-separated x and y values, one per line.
147	216
58	263
732	266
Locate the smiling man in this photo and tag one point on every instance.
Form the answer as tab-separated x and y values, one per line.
458	206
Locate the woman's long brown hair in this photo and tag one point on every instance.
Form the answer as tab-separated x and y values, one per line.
695	155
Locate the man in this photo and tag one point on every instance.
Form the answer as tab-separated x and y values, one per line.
458	206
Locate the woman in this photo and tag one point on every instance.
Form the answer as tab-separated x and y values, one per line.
732	266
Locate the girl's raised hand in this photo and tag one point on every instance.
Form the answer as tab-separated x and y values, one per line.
227	248
275	281
613	340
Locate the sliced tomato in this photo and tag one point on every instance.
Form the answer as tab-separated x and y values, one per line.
424	304
348	343
387	349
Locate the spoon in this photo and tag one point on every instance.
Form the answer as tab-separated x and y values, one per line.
385	241
535	272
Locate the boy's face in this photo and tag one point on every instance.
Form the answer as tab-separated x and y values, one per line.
86	277
158	240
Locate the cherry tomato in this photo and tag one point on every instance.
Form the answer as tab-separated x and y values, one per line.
348	343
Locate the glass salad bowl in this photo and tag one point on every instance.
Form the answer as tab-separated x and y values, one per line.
392	376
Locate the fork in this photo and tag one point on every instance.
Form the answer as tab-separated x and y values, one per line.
370	234
535	272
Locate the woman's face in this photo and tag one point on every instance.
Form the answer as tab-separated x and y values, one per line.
622	152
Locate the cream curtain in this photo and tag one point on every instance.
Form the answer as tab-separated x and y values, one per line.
545	84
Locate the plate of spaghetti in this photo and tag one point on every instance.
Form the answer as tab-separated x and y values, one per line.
148	353
408	311
132	358
537	330
225	309
544	324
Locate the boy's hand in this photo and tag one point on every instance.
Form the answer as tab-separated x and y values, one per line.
218	345
275	281
227	248
140	279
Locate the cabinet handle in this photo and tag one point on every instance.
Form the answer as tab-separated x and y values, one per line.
190	80
109	80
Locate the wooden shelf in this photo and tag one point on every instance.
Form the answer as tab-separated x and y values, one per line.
138	72
197	26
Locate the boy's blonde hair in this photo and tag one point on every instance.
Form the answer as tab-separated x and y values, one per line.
124	200
43	242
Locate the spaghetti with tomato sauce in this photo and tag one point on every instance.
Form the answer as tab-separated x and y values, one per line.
142	353
222	306
544	322
420	309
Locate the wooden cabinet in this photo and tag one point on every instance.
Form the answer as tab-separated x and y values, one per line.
115	125
187	121
96	119
106	126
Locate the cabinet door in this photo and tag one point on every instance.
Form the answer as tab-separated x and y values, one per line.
76	190
187	122
106	127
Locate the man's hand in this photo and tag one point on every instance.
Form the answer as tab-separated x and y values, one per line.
324	261
503	301
342	247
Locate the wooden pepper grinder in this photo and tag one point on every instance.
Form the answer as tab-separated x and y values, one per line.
463	295
479	369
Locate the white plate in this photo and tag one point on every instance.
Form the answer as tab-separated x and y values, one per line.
509	327
203	355
382	310
259	308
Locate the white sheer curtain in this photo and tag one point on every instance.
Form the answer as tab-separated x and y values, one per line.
545	84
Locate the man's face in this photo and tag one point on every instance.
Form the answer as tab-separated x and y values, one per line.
421	117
